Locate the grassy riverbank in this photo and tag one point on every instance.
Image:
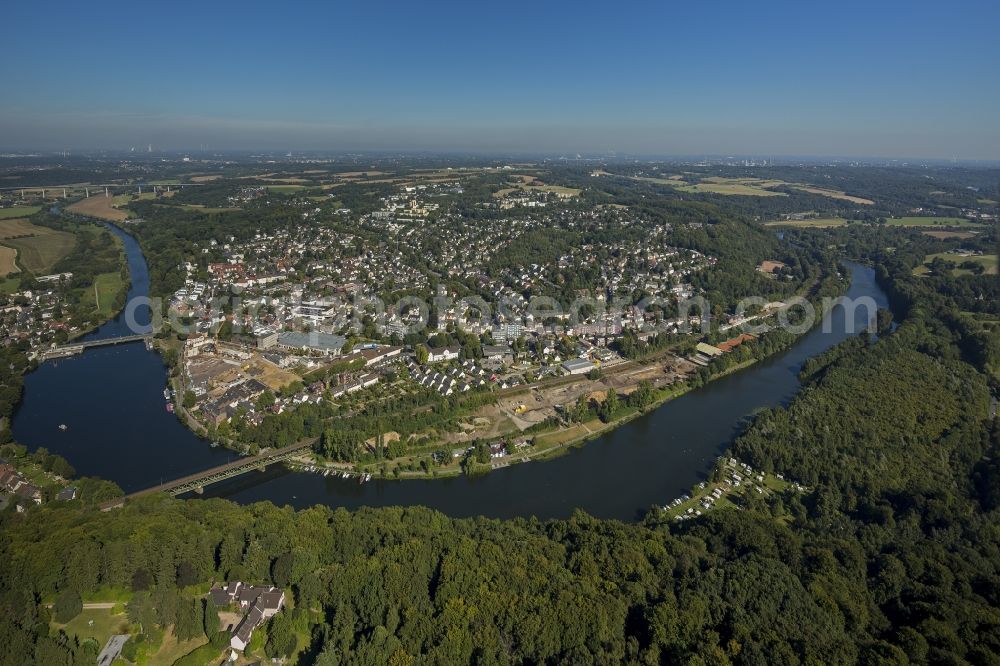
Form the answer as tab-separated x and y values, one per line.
547	444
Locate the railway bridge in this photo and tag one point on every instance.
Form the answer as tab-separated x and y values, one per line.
197	482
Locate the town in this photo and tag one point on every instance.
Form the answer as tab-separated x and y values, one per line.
428	322
416	305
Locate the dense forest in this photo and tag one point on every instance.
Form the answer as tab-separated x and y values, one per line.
891	556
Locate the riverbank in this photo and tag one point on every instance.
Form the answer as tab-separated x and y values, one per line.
111	284
546	445
541	445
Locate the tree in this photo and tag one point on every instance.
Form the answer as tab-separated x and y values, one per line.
482	453
280	637
140	611
211	615
256	641
225	332
189	399
59	466
141	580
186	574
265	401
49	651
422	354
189	620
883	321
281	570
610	406
67	606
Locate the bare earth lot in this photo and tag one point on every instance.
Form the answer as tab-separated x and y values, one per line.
100	207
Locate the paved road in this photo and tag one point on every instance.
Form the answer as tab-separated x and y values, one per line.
96	605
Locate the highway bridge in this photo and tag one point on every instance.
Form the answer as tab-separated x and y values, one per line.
197	482
74	348
96	187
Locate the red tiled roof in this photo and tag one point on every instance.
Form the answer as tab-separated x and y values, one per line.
728	345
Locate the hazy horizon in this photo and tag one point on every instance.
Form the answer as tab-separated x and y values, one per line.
915	81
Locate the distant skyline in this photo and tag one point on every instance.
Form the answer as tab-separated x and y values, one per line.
896	79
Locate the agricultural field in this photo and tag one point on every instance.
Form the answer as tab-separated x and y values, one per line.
200	208
833	194
531	184
103	208
8	260
944	235
987	261
753	187
748	187
18	211
289	180
812	222
926	221
285	189
39	247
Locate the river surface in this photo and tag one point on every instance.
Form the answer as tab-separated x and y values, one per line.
118	428
111	401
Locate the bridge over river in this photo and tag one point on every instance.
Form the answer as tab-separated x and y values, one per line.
196	482
74	348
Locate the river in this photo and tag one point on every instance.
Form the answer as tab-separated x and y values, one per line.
111	400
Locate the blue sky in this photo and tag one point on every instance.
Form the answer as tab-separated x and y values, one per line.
894	79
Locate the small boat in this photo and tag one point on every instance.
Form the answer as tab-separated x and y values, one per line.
170	407
166	394
63	426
